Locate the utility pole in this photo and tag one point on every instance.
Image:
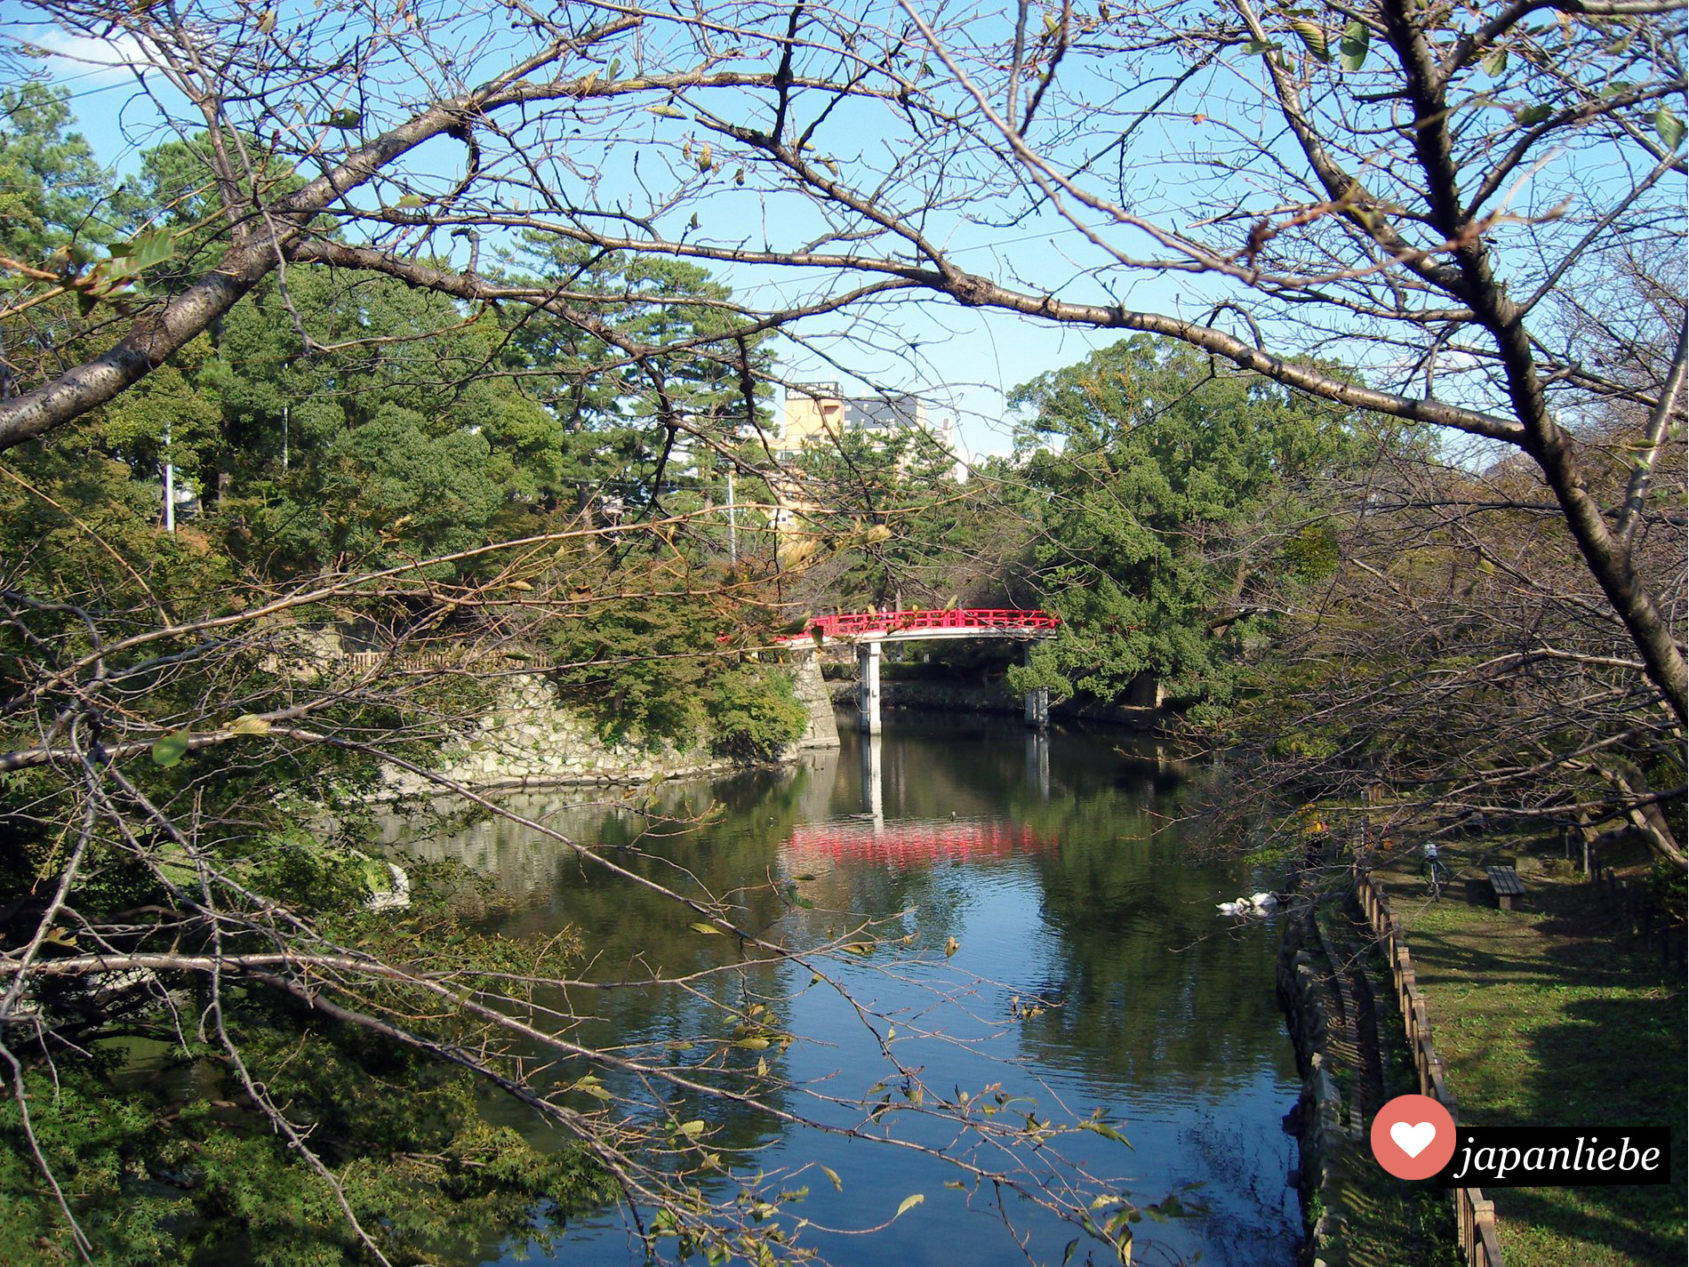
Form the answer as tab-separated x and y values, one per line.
169	484
732	521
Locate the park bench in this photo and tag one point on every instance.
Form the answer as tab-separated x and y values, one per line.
1508	887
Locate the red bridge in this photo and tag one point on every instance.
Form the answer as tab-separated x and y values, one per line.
908	843
951	622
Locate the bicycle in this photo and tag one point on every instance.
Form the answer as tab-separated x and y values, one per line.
1436	878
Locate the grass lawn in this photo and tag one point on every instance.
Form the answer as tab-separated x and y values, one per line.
1552	1016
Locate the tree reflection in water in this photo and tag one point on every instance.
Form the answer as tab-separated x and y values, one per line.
1084	972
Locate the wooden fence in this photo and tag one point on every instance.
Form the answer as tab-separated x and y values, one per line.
1474	1216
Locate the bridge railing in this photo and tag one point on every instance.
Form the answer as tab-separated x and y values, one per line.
862	624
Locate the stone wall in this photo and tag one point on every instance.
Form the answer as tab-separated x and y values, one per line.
1304	990
811	690
527	738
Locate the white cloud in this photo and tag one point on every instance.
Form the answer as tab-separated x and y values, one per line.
85	57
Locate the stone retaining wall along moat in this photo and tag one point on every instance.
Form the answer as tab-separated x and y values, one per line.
528	738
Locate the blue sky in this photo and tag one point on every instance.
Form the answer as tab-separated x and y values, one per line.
965	361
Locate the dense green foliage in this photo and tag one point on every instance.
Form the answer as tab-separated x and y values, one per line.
1180	500
405	428
664	664
162	1162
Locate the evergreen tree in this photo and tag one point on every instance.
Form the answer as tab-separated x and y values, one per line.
1175	490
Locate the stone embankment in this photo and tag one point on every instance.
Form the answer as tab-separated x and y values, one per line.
1336	995
527	738
1325	1041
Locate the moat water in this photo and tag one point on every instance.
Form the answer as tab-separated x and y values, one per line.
1090	971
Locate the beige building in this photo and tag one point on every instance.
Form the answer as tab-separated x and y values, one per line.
815	412
819	414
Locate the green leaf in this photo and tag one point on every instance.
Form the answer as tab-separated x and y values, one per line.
909	1203
1313	38
1067	1254
838	1184
170	749
1256	48
1669	127
708	930
1530	116
250	724
144	250
667	111
1107	1132
411	200
691	1129
1352	48
1495	65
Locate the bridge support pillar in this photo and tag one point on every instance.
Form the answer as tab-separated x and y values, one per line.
868	687
1037	699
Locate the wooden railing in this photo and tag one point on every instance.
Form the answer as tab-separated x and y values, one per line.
1474	1216
985	620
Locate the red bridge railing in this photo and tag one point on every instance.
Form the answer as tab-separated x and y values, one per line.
909	843
984	619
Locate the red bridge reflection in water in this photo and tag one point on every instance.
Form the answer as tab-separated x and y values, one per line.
914	842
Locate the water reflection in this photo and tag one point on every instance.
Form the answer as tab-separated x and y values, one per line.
1089	969
873	778
1038	762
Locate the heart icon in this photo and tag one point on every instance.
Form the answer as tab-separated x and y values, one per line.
1414	1139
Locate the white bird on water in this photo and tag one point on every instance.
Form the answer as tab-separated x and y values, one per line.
1255	904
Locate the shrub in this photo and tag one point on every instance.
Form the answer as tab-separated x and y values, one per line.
754	714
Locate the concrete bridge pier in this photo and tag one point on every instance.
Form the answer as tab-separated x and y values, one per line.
868	686
1037	699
